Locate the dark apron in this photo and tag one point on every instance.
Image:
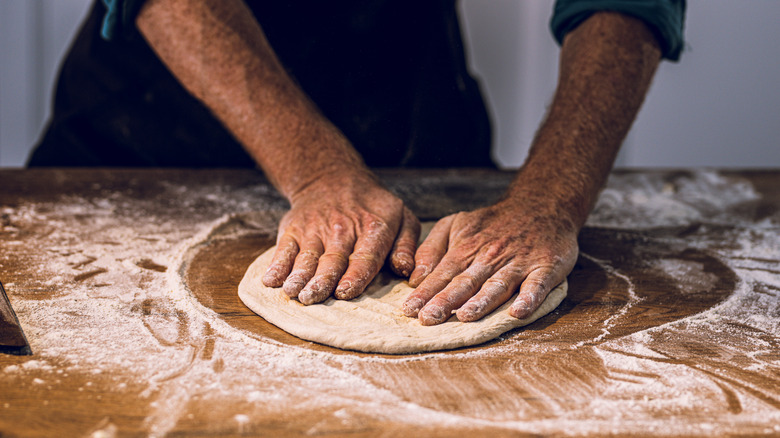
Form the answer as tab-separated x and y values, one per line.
391	74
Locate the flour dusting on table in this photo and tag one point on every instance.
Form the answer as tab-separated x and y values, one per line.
110	304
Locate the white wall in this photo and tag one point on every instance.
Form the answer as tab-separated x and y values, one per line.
515	58
719	107
34	35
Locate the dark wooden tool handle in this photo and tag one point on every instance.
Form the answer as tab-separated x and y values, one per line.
12	339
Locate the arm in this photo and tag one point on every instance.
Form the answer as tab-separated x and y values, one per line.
342	223
473	262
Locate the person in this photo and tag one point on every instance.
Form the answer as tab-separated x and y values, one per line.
315	93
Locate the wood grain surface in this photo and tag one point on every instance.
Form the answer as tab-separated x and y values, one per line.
670	326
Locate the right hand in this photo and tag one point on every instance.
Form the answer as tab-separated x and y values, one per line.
336	237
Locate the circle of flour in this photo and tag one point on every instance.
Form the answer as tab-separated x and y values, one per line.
373	322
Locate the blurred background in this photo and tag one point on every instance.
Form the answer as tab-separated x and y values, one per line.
718	107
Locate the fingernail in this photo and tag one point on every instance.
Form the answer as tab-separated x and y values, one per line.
520	310
307	296
467	313
412	307
313	293
292	286
271	278
403	267
432	316
344	291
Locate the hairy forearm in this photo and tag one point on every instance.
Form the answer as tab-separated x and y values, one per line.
218	52
606	66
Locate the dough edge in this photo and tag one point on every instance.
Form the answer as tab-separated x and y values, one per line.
349	325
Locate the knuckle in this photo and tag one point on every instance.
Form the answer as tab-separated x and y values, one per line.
496	250
465	281
375	223
555	259
534	283
377	230
288	249
496	284
468	249
425	252
324	280
333	257
407	240
405	245
368	260
492	252
424	266
420	272
338	230
297	275
309	254
411	221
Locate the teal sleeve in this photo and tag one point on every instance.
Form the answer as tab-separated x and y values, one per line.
665	17
120	18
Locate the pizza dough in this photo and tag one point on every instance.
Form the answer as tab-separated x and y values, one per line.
373	322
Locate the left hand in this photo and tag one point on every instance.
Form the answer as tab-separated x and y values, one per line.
473	262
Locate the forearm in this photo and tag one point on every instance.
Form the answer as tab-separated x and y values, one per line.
218	52
606	66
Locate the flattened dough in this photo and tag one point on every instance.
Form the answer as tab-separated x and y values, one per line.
373	322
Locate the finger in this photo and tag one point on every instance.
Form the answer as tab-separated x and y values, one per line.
365	262
533	291
331	266
433	284
402	254
282	261
496	291
431	251
304	267
457	292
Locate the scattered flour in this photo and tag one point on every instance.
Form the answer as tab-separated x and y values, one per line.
109	301
653	201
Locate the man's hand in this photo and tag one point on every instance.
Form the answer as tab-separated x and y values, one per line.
336	236
474	262
342	224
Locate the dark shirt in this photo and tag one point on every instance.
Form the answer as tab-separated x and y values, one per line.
665	18
391	74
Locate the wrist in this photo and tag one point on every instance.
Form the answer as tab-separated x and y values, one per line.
566	198
303	155
331	180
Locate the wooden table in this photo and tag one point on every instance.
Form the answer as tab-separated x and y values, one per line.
125	283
